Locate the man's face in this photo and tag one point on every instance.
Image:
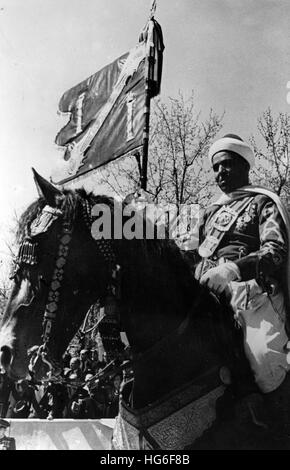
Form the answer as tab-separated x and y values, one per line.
117	382
95	355
231	172
2	432
20	389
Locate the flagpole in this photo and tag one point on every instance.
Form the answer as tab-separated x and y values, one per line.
146	134
148	93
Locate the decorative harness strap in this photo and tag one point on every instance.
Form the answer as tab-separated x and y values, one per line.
105	245
63	251
220	223
53	294
51	309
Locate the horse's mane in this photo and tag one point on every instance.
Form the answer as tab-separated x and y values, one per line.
27	217
69	203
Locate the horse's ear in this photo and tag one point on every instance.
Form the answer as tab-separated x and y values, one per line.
46	189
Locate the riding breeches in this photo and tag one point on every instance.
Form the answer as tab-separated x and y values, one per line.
262	318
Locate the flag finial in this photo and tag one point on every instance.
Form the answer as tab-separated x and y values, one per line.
153	8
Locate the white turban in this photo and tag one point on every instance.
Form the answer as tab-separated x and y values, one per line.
232	144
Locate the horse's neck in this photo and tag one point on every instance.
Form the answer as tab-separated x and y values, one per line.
199	343
149	315
154	299
157	296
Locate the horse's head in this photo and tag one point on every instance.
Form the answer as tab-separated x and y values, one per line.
60	272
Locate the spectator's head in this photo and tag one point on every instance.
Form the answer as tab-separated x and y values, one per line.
88	382
3	426
94	355
117	379
84	354
22	386
88	377
74	363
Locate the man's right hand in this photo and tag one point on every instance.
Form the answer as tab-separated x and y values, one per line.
218	278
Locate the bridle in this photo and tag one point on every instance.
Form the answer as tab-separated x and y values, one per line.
106	249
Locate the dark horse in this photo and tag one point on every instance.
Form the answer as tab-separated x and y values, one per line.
180	338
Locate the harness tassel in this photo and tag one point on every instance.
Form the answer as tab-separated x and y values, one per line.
27	253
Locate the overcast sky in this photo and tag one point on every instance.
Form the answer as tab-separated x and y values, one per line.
234	54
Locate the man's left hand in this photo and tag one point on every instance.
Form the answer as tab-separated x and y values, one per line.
218	278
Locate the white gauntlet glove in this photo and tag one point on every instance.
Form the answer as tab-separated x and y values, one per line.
218	278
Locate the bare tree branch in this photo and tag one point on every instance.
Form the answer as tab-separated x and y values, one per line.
273	159
178	172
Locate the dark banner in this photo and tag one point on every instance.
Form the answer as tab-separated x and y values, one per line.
106	111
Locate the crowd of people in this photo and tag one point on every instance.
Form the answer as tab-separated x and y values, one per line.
81	391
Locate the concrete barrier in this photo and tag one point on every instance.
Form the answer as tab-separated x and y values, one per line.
61	434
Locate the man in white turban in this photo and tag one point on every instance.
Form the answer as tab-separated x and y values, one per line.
244	249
